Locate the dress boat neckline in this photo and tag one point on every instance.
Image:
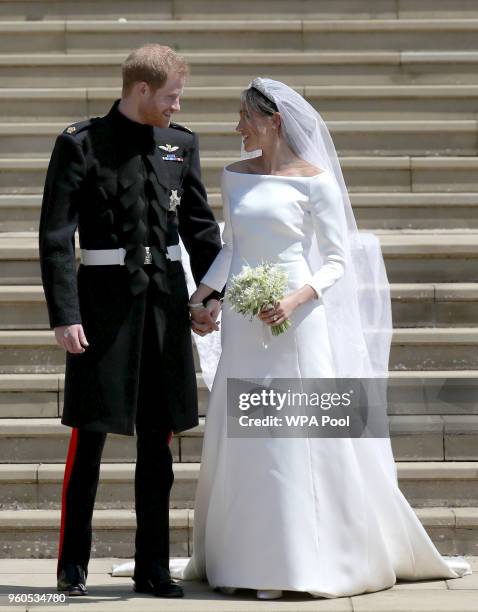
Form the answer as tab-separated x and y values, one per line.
274	175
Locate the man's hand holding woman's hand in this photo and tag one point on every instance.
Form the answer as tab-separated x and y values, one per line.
204	319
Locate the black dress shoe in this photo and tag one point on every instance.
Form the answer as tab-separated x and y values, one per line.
72	580
158	587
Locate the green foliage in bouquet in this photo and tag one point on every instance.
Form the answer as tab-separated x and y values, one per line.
255	288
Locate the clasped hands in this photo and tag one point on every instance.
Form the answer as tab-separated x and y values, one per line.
204	320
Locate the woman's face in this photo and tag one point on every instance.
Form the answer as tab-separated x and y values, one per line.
257	130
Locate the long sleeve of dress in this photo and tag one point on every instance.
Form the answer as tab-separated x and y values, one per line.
218	272
328	219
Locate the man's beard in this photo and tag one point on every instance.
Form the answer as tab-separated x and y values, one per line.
155	119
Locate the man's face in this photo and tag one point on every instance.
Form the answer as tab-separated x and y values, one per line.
156	107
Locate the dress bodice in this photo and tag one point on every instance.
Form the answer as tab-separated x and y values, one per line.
270	218
270	215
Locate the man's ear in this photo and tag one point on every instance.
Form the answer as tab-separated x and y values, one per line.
142	88
276	118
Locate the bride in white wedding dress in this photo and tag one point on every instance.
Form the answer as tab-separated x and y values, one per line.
317	515
323	516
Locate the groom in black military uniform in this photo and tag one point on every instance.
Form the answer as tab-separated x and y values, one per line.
130	182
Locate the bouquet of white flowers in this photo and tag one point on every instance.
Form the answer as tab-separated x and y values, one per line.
255	288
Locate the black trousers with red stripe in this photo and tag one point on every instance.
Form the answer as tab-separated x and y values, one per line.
153	479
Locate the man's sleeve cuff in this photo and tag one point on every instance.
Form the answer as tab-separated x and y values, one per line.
215	295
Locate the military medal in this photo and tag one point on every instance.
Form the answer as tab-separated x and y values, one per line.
171	155
174	200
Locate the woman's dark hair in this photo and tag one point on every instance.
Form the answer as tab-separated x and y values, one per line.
254	100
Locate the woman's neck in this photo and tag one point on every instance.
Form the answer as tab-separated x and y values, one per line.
277	158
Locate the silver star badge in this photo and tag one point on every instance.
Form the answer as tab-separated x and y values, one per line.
174	200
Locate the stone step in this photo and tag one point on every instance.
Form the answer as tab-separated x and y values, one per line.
412	211
241	9
434	392
219	139
46	70
426	348
34	533
387	210
428	256
417	349
30	395
366	174
434	349
41	395
414	438
413	305
87	36
430	305
38	485
219	103
409	257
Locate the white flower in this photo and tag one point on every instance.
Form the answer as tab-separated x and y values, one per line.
254	288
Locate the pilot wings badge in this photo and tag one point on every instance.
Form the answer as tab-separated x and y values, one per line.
171	155
174	200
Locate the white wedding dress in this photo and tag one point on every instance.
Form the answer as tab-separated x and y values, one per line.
317	515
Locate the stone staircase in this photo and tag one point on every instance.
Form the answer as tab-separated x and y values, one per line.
397	83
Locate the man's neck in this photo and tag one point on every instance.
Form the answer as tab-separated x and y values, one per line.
128	110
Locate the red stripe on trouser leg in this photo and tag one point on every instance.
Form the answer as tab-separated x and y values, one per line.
70	459
170	437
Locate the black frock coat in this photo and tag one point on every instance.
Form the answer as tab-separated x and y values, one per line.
94	182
